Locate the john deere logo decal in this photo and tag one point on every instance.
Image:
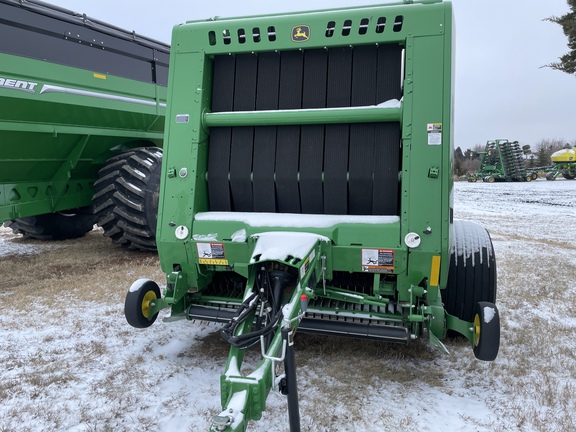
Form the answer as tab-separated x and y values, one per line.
301	33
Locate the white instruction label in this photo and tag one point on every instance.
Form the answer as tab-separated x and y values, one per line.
434	133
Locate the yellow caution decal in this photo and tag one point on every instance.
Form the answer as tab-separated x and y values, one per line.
435	270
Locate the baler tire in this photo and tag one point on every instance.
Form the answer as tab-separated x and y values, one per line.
486	331
137	304
126	198
472	272
55	226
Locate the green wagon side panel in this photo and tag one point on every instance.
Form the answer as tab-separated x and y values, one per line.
60	123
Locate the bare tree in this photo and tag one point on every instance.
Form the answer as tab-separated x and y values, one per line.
544	148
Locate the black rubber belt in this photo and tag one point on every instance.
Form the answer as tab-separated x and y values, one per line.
243	137
219	147
288	137
387	135
268	85
361	164
312	136
337	135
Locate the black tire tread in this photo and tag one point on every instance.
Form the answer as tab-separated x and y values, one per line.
472	274
489	343
133	305
126	198
103	198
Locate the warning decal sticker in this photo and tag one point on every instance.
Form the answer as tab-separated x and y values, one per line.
306	265
378	260
434	133
211	253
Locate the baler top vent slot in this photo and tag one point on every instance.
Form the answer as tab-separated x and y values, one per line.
363	27
347	29
242	38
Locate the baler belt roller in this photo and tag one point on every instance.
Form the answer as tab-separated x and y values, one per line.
390	112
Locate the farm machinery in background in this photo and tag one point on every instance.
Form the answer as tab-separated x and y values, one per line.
82	107
503	160
563	163
306	185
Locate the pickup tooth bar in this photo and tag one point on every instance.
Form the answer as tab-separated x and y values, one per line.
222	297
326	322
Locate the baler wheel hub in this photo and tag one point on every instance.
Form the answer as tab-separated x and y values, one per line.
476	330
148	297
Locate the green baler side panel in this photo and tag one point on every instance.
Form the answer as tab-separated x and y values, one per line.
423	35
59	123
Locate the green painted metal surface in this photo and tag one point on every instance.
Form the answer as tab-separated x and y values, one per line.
58	122
387	267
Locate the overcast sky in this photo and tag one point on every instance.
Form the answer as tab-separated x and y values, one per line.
501	89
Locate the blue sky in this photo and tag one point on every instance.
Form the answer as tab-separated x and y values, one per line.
501	89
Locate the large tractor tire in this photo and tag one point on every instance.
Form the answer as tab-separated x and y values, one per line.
472	272
104	189
55	226
126	198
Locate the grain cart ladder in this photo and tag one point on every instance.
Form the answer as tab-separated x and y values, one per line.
307	185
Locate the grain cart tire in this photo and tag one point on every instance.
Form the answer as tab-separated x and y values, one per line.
472	271
55	226
126	198
486	331
137	304
136	197
103	198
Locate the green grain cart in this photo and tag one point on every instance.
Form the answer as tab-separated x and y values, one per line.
82	107
307	185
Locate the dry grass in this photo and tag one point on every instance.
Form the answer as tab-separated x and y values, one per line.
87	269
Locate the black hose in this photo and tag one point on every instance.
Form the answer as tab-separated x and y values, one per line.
247	340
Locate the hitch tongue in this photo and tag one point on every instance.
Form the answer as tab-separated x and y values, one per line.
222	422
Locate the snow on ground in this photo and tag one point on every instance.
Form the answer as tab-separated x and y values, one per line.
81	368
12	244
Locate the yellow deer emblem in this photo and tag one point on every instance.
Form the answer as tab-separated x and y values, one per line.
301	33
